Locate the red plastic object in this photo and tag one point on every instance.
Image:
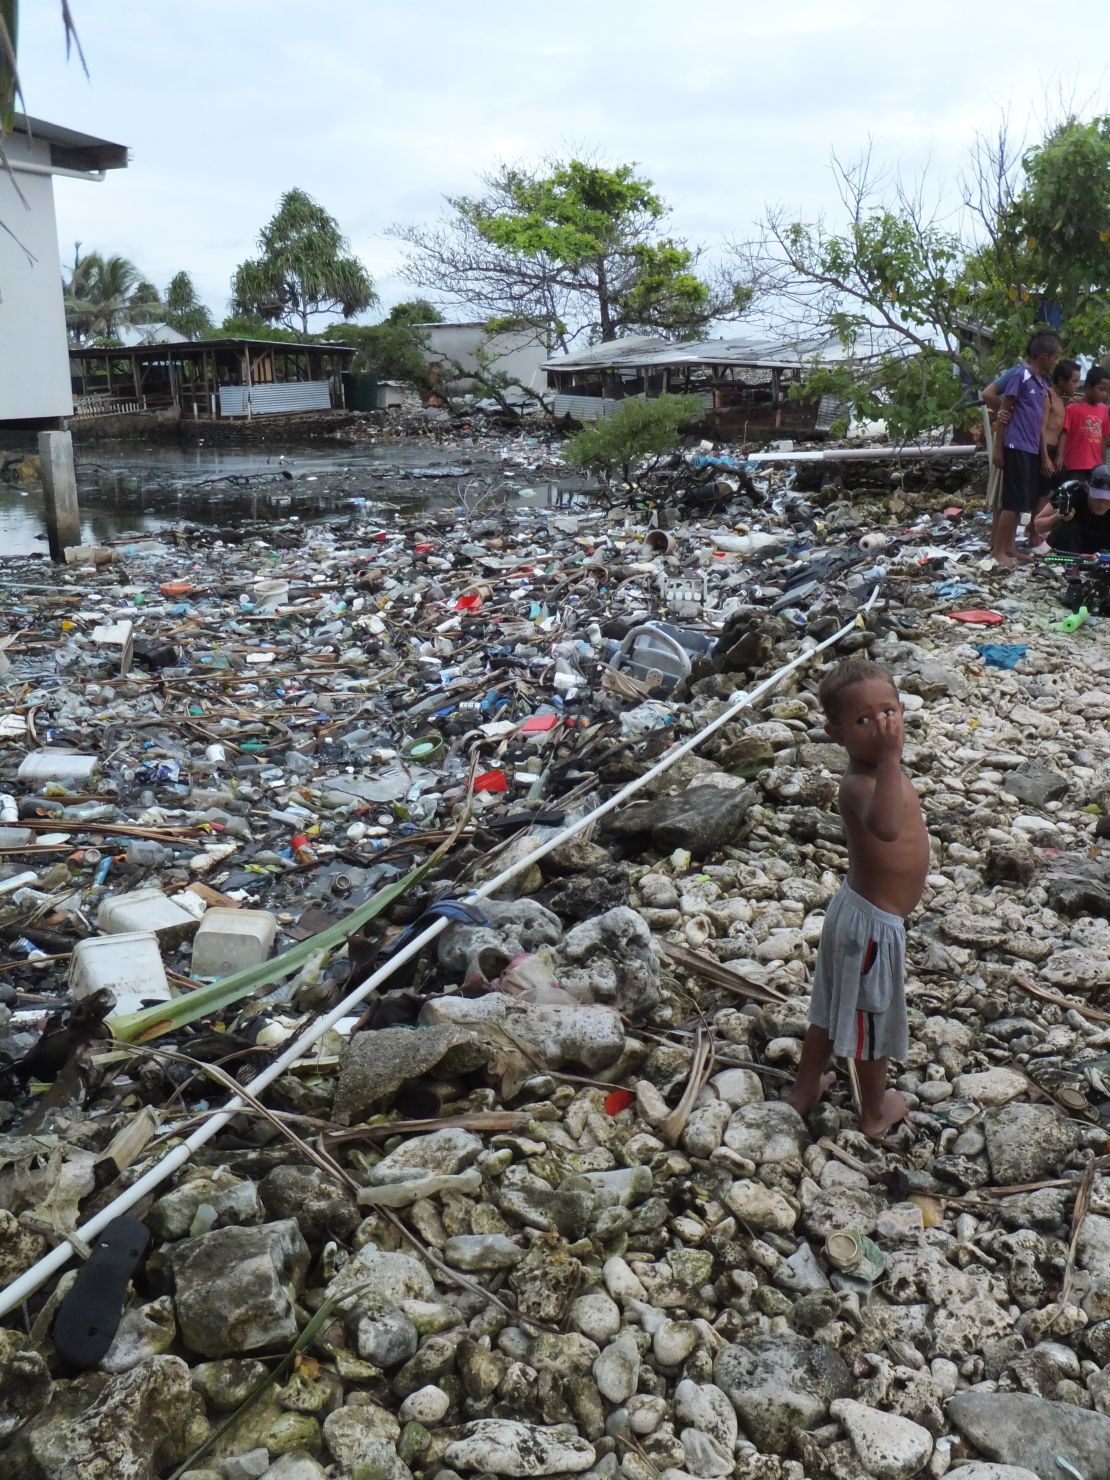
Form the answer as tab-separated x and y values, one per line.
424	549
176	588
619	1100
491	781
953	512
539	724
978	618
472	603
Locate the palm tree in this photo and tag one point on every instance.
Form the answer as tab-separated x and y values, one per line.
104	292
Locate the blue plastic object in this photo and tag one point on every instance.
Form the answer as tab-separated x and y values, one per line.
1001	654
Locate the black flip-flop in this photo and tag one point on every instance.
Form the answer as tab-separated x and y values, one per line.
89	1316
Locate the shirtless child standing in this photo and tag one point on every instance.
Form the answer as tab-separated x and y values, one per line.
858	1006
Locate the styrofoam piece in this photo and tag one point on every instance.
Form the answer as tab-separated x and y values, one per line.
269	595
57	765
146	910
128	965
230	940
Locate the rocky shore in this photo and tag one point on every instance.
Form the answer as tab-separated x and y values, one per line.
541	1210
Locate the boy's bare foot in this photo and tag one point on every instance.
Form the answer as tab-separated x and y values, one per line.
804	1099
892	1110
1022	558
1005	562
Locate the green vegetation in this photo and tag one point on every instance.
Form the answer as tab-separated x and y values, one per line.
933	306
615	448
104	293
393	349
182	309
250	326
573	247
303	269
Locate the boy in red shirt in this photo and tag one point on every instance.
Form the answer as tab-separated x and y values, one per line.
1082	443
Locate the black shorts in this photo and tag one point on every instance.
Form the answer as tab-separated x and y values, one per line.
1021	480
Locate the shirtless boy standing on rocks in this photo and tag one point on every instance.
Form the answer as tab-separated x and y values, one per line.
858	1006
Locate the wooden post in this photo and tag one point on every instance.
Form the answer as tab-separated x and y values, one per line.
59	488
247	362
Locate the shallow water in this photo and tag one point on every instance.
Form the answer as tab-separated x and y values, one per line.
133	490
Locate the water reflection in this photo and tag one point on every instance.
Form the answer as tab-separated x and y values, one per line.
141	491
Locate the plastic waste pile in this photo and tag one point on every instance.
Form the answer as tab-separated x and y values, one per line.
207	759
540	1209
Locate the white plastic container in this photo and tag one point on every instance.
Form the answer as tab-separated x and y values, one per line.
269	595
57	765
129	965
147	910
229	940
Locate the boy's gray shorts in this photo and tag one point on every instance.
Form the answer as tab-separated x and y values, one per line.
859	995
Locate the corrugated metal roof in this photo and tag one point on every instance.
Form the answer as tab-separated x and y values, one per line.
645	350
193	348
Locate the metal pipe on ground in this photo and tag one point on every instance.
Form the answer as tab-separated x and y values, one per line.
14	1294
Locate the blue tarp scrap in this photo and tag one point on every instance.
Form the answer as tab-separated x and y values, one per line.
1001	654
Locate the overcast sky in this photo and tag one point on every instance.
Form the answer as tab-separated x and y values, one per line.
378	110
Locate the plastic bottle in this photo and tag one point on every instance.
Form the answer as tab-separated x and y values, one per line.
146	853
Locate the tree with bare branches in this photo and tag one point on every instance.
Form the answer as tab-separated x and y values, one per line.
572	248
926	304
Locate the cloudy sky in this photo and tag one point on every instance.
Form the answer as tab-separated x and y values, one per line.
379	110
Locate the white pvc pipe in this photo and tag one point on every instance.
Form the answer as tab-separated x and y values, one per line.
27	167
14	1294
865	454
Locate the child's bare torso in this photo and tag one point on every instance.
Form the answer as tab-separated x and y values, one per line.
891	875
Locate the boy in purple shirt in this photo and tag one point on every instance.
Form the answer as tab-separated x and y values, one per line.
1019	444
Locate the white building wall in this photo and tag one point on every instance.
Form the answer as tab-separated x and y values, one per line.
34	353
518	354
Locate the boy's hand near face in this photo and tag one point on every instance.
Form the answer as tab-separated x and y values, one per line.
890	735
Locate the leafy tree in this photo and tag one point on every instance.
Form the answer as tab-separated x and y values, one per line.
303	269
926	308
395	349
103	293
637	430
1049	242
249	326
571	247
182	309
